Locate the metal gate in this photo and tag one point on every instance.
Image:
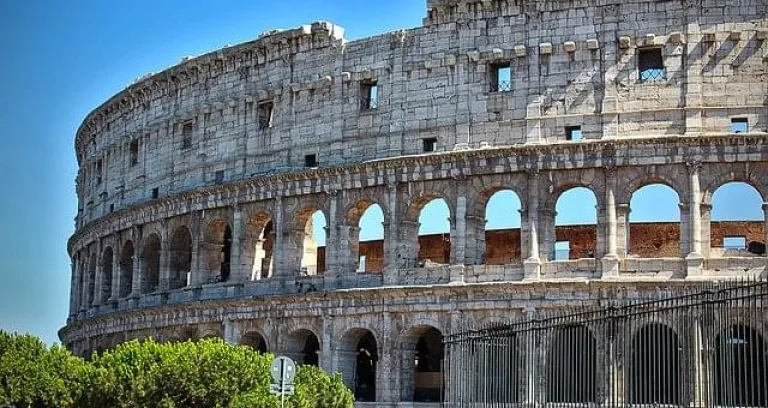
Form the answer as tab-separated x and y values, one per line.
704	347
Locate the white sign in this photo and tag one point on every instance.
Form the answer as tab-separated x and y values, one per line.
283	370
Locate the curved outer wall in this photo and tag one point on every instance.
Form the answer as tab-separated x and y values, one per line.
208	153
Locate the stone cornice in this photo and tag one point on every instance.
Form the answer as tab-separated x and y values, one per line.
270	46
371	299
591	153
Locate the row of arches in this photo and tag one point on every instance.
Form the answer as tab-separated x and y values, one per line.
655	368
575	235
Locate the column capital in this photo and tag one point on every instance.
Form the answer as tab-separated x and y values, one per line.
693	166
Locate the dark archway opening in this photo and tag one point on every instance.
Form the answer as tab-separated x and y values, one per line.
740	368
181	258
365	368
151	263
654	371
126	269
428	374
571	365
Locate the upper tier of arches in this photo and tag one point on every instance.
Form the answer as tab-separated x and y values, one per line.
307	98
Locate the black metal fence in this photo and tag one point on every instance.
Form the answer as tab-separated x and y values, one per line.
704	347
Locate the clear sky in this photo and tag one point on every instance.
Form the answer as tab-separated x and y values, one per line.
61	59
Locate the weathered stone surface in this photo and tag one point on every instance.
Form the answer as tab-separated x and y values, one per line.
196	184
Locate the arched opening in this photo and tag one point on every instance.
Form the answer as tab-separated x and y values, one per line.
575	225
358	359
126	269
740	368
106	274
423	376
303	347
91	279
254	340
368	251
737	221
181	258
434	233
654	222
494	364
571	366
503	237
217	250
313	245
151	265
260	238
654	366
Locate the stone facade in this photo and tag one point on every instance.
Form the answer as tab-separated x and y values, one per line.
196	184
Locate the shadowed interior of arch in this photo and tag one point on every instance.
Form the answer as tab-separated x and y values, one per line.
370	244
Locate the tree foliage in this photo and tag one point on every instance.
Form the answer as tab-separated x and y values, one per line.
207	373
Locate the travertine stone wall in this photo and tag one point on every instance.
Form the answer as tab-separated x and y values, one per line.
196	184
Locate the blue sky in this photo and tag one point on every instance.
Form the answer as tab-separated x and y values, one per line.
61	60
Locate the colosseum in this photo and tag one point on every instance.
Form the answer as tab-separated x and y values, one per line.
198	186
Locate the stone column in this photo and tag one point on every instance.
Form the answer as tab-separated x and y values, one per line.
706	231
116	272
196	273
325	359
238	272
99	269
390	236
532	263
165	258
231	332
610	261
385	389
278	252
684	229
622	230
74	288
336	244
765	226
459	239
694	259
137	261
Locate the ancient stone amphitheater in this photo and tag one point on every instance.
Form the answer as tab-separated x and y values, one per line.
196	185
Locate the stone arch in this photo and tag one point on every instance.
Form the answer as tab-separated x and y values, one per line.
216	251
150	262
126	269
255	340
303	346
367	256
421	380
107	270
572	365
260	245
755	176
739	369
735	220
655	237
358	354
507	235
579	240
310	254
91	294
181	258
635	178
654	366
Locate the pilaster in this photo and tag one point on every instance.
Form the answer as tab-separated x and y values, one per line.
694	259
532	262
391	237
239	272
165	258
610	261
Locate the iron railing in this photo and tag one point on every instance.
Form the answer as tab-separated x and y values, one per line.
705	346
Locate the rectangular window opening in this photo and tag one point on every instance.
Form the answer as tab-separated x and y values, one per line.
369	93
361	265
562	250
739	125
155	193
573	133
310	160
264	115
501	77
734	243
99	165
219	177
186	136
650	64
111	208
134	152
429	144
